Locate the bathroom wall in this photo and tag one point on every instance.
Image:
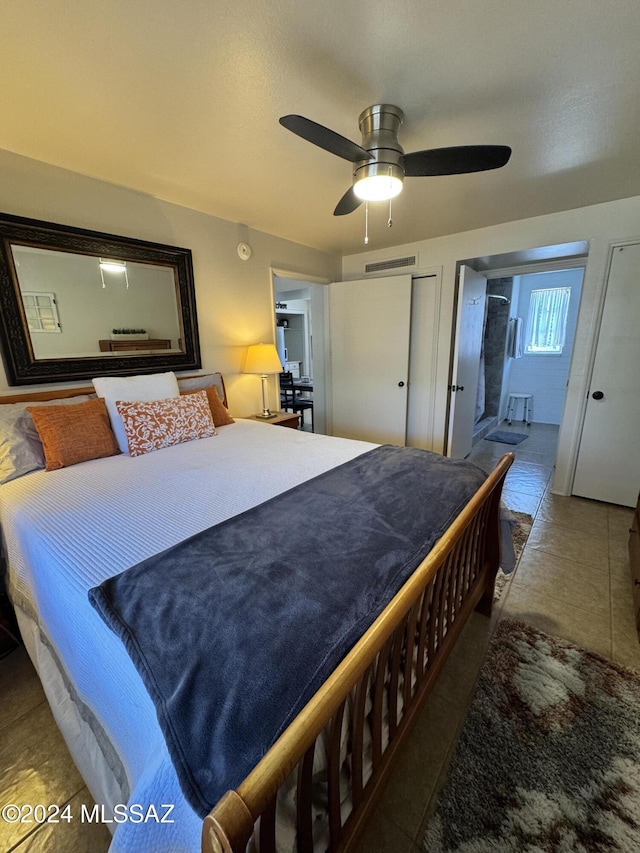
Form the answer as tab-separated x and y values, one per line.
546	375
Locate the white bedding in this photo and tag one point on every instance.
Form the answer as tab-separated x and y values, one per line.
66	531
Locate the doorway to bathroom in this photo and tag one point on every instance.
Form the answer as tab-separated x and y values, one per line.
528	335
497	291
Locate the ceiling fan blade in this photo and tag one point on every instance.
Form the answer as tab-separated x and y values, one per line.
456	160
325	138
348	203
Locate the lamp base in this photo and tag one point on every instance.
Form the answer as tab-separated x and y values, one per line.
266	415
266	411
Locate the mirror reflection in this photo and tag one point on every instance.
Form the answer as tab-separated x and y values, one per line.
75	304
82	305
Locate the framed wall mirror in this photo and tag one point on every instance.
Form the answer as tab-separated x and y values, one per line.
75	304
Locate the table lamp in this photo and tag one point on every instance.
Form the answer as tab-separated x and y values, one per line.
263	359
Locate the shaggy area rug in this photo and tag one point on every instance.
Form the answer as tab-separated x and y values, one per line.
506	437
549	756
520	534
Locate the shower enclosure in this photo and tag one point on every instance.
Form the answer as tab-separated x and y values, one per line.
494	355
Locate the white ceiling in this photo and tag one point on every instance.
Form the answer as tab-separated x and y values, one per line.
181	99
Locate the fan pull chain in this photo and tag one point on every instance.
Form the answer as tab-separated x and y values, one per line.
366	223
390	220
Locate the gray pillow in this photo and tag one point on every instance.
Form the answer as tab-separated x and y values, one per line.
206	380
20	446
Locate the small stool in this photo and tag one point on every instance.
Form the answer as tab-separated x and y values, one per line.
527	410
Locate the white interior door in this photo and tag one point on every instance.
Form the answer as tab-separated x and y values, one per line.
472	296
369	329
608	466
423	360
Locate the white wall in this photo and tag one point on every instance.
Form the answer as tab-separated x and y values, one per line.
234	299
600	224
545	376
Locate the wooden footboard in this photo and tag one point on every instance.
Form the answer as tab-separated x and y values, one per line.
376	691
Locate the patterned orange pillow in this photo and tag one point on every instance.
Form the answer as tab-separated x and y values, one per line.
219	411
161	423
72	434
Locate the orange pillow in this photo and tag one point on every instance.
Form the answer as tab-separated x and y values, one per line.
221	416
156	424
72	434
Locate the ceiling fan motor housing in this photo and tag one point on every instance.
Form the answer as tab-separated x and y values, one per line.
379	126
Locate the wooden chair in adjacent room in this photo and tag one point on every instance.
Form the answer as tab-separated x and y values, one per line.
291	401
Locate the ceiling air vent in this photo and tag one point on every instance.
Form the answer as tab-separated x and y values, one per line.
396	263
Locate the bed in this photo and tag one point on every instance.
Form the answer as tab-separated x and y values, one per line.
68	531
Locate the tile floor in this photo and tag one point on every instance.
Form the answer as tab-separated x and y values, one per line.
572	580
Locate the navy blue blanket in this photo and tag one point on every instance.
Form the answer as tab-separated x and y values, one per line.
234	629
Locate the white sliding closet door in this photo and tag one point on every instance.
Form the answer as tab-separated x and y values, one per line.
370	325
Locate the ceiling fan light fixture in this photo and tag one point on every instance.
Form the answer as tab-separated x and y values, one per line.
113	266
378	188
378	182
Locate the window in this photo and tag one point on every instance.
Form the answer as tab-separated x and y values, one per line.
547	321
41	311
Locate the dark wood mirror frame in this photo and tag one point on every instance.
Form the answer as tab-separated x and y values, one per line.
20	365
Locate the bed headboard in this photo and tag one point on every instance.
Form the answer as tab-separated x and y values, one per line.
42	396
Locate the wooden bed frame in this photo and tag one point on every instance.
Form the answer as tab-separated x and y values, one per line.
402	653
411	638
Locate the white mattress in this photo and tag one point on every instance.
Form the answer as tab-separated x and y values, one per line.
66	531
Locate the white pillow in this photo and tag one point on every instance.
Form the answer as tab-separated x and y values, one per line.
133	389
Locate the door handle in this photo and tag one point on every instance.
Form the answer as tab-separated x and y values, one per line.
456	388
400	384
597	395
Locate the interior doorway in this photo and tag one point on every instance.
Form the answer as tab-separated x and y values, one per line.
505	364
300	311
509	366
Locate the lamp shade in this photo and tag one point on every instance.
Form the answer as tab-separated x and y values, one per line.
263	359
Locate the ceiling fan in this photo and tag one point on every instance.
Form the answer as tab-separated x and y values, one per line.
380	164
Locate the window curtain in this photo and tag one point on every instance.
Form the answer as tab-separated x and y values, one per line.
547	321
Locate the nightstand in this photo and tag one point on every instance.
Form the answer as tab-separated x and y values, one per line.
285	419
